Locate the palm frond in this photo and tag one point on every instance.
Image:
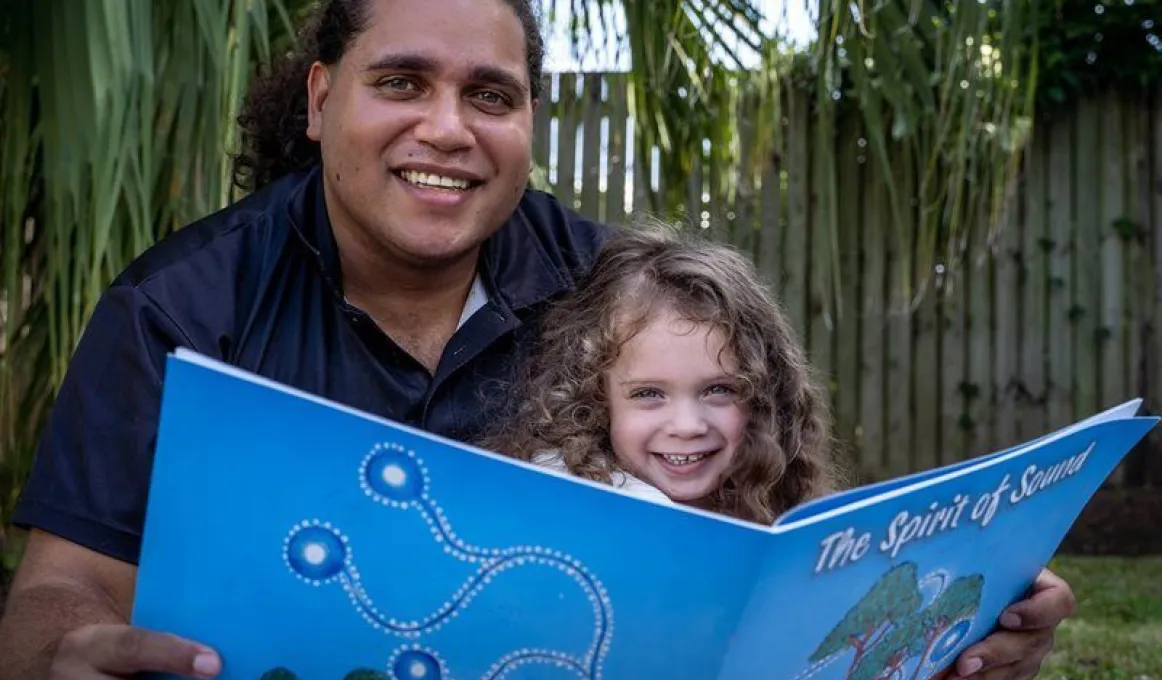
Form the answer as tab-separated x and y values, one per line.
933	82
937	85
118	122
684	90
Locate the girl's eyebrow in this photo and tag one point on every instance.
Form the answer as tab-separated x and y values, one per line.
635	381
720	377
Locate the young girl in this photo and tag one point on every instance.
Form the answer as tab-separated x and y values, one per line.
671	371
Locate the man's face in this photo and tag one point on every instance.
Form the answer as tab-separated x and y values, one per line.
425	127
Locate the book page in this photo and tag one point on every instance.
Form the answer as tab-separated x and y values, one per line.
340	542
899	586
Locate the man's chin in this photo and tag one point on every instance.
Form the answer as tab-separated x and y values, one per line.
439	256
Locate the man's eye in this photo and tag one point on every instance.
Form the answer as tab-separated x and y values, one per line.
492	99
396	83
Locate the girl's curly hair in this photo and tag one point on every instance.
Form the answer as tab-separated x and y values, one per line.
561	403
273	119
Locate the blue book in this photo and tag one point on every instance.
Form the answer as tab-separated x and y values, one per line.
304	539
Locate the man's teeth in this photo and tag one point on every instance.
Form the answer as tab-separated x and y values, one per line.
686	459
427	179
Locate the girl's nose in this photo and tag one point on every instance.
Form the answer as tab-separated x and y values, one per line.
687	420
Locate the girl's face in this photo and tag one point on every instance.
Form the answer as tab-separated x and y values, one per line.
676	416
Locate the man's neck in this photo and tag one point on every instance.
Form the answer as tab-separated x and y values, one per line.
418	308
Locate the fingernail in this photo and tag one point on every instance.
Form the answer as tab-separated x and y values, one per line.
973	665
1010	620
206	664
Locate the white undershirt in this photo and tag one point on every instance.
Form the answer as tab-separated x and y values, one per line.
621	480
477	298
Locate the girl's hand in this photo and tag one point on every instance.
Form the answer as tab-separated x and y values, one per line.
1017	651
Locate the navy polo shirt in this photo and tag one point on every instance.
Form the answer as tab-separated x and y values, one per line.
257	285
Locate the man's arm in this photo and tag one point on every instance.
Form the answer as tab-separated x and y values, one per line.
84	503
67	617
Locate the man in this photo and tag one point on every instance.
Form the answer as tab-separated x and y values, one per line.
392	260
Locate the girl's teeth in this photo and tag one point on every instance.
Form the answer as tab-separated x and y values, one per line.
684	460
429	180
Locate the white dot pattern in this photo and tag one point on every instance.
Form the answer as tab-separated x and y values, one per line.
491	563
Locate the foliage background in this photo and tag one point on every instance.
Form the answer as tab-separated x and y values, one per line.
1087	47
117	126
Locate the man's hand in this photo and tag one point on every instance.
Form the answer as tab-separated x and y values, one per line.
1017	651
100	652
67	619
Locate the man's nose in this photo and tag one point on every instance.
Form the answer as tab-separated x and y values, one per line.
443	125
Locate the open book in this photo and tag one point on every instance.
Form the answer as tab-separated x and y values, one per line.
303	539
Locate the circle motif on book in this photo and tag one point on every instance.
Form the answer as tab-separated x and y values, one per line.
416	664
393	476
948	641
317	553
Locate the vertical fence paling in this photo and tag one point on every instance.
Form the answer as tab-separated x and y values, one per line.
1060	320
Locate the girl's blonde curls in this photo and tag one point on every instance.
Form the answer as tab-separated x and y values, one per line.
561	406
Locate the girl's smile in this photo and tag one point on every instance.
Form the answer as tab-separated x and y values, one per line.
676	419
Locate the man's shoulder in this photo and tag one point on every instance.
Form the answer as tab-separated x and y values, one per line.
226	239
562	231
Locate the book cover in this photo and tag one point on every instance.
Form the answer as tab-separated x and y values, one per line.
303	539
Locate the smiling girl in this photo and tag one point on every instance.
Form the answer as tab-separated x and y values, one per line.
672	372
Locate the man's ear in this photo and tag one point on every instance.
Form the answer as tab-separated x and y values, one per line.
318	86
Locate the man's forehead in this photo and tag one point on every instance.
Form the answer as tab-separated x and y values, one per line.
449	32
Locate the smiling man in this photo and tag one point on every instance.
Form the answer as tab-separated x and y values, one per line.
424	127
391	258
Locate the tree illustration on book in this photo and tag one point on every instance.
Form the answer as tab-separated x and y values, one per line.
365	674
887	628
886	661
359	674
893	598
947	620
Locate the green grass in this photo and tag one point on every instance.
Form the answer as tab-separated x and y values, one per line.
1116	633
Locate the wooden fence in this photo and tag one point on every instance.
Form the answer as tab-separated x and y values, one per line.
1062	321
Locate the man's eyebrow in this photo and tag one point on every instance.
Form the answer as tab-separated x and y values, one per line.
402	62
500	77
420	64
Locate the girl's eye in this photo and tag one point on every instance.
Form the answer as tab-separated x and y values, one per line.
645	393
722	393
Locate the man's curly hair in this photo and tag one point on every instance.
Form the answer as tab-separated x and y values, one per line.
273	119
561	402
